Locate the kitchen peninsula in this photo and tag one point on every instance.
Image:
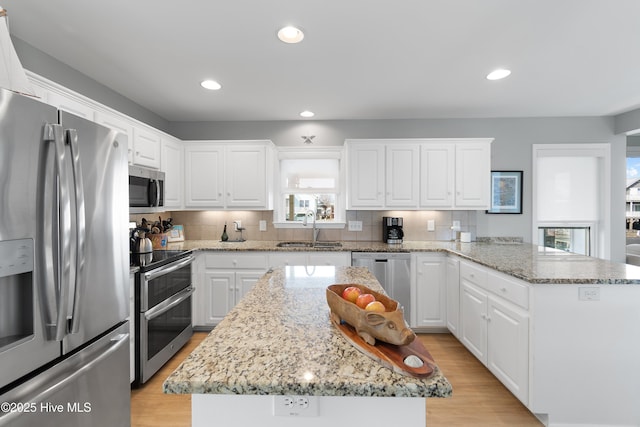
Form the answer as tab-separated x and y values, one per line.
279	341
557	329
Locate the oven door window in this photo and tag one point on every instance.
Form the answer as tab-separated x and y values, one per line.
161	330
163	287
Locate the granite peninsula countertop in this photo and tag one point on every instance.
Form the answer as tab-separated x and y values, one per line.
531	263
279	340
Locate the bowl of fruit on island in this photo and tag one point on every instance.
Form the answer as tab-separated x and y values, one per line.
373	316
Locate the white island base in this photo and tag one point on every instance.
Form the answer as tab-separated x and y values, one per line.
231	410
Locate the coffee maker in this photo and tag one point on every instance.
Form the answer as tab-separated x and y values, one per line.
392	229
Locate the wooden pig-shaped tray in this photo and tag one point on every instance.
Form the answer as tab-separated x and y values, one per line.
383	336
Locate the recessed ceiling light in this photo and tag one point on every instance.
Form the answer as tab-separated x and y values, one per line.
498	74
290	35
211	84
307	114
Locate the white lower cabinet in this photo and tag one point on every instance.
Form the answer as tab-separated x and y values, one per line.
226	278
494	329
428	290
453	295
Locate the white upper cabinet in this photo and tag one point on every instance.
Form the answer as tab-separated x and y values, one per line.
402	182
246	181
171	163
228	174
146	148
203	175
70	104
366	178
473	174
418	173
437	175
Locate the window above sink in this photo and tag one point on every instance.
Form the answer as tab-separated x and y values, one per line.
309	181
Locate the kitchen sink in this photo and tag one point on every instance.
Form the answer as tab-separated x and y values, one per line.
327	245
309	245
295	245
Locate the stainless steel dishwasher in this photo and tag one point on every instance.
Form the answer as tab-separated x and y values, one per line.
393	271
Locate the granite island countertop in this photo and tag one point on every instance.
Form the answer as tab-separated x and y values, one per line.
279	340
531	263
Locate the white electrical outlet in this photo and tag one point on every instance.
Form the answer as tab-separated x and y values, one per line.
238	224
589	293
295	406
431	225
355	225
262	225
455	226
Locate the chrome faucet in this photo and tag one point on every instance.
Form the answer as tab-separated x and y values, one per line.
315	231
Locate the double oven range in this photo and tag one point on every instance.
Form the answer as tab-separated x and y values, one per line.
163	291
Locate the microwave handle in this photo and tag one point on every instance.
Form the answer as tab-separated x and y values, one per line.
152	193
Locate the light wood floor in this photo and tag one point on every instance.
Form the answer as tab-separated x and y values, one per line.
478	398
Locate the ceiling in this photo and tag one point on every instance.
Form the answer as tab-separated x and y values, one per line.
360	59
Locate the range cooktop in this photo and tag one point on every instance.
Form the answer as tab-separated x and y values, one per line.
157	258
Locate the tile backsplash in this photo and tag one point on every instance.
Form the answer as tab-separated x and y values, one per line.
208	225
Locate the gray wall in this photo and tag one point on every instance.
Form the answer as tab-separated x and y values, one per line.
46	66
511	150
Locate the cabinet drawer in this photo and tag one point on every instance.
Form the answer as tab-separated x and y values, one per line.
473	273
236	260
509	289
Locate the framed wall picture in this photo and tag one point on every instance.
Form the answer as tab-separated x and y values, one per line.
506	192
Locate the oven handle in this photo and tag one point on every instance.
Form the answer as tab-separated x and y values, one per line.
169	268
169	303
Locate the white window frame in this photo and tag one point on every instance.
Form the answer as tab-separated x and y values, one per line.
600	231
279	215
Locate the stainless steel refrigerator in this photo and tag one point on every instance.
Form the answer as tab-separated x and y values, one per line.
64	275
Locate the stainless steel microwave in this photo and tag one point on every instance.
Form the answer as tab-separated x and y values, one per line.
146	189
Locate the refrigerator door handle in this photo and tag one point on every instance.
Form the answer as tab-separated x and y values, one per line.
72	141
56	233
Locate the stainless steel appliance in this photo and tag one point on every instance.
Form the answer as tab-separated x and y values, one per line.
392	229
146	189
163	307
64	351
393	271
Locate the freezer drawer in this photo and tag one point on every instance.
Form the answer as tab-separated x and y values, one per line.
89	388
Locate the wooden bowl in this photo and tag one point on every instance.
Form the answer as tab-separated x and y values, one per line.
388	326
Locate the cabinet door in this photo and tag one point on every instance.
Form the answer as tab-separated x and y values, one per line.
171	164
366	175
218	296
146	148
453	295
430	291
473	175
245	280
402	177
437	174
508	349
204	176
70	105
246	173
473	319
